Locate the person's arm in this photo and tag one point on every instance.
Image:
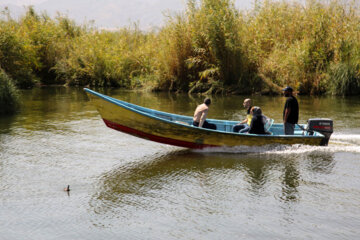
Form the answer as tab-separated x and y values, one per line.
203	117
243	122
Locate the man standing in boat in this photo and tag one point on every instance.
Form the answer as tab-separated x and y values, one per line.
291	111
200	114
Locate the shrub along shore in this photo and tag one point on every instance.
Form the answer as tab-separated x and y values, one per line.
9	97
210	48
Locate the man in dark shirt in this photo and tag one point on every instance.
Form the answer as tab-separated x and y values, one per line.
291	111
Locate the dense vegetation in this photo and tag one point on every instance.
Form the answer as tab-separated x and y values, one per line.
210	48
9	101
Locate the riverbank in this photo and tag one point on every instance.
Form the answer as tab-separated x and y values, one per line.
210	48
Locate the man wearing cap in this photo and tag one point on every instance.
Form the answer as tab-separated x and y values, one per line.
291	111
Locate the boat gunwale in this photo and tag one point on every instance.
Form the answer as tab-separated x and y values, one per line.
120	104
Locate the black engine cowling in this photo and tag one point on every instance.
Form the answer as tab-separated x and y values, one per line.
323	126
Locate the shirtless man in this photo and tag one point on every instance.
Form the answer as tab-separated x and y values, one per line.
200	114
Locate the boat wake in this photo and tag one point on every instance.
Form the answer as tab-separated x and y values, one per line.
346	139
338	143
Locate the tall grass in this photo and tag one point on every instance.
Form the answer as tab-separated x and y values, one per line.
49	40
15	55
296	45
344	80
201	49
9	97
211	47
101	58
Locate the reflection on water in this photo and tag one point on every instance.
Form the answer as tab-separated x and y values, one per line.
190	179
290	182
320	162
48	108
124	187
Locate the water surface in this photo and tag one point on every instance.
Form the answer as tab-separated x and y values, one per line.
123	187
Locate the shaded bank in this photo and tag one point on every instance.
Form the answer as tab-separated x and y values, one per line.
9	97
210	48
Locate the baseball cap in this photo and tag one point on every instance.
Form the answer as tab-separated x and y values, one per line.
288	89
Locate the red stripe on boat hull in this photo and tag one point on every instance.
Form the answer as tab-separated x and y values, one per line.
154	138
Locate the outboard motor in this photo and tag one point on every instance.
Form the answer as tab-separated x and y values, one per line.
323	126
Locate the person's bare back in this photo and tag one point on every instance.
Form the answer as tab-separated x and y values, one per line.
200	114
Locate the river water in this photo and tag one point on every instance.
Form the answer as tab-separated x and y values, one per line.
123	187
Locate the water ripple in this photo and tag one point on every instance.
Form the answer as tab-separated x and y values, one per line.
339	144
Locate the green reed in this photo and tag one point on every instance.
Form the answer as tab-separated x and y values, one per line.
201	49
296	45
210	48
9	97
15	56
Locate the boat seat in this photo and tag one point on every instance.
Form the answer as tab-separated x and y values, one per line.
181	122
299	132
